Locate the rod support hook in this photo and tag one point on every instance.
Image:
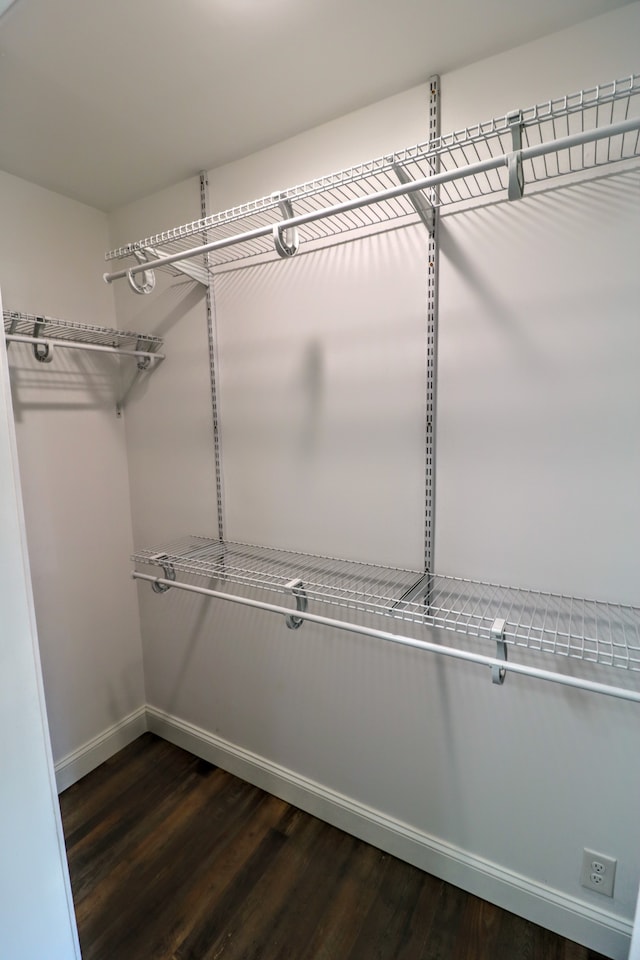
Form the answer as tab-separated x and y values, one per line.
143	362
43	352
286	241
515	186
297	588
497	633
168	570
148	276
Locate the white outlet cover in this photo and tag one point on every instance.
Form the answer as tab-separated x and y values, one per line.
603	867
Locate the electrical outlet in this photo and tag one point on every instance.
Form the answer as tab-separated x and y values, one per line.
598	872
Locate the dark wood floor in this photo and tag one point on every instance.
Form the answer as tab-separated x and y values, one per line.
173	858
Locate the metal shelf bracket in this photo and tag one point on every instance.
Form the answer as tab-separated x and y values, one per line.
193	271
497	633
285	246
418	201
515	187
297	588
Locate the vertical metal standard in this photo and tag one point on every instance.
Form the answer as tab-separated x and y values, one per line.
432	337
213	357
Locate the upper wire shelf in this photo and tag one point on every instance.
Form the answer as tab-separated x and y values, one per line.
589	630
554	140
46	333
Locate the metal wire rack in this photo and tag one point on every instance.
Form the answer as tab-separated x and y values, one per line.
45	333
589	630
547	142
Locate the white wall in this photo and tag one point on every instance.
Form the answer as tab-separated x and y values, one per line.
321	399
36	910
74	475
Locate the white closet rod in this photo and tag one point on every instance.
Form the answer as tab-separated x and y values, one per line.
528	153
593	687
75	345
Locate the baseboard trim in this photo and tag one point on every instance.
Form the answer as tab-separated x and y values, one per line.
91	754
594	927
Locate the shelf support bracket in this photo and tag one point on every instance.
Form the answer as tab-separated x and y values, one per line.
417	199
297	588
515	187
168	570
186	267
285	246
497	633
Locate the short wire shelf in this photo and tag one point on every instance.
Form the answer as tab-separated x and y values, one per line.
48	328
593	109
590	630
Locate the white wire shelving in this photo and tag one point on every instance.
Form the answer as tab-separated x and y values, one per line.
46	334
526	149
564	139
593	631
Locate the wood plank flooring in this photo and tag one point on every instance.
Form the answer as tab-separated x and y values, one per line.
174	859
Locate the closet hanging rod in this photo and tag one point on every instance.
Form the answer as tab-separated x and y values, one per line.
580	138
494	663
72	344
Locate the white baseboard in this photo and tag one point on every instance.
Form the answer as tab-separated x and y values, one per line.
594	927
597	928
91	754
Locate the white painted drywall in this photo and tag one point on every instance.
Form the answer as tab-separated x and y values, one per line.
634	950
36	910
321	411
74	471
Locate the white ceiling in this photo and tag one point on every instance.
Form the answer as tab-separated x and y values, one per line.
108	100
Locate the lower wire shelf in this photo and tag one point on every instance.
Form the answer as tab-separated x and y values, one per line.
590	630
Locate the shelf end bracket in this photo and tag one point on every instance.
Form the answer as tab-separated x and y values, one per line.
497	633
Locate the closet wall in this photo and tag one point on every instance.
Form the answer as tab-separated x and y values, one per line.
321	375
72	460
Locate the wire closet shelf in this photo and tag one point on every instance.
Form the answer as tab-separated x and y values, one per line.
568	138
589	630
45	333
527	149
